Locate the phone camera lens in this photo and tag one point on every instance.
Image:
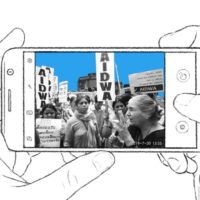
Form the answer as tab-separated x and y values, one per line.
10	72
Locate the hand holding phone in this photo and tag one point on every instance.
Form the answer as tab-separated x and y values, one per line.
21	174
187	104
38	80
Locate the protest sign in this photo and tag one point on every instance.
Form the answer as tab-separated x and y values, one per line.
147	82
42	87
50	75
63	90
49	132
55	86
105	76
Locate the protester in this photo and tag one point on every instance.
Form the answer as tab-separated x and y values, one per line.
81	130
118	125
69	111
49	111
99	113
37	113
144	113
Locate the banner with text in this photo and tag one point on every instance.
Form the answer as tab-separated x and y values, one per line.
147	82
50	74
42	87
63	90
49	132
55	86
105	76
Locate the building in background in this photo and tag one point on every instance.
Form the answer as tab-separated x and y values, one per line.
87	83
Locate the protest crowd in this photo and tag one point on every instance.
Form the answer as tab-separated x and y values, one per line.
131	121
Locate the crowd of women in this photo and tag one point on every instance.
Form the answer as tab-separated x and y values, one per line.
130	122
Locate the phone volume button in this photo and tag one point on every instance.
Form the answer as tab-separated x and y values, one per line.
9	100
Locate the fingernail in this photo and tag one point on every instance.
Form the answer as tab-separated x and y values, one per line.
103	161
192	166
174	164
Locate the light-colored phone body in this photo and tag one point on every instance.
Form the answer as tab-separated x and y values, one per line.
18	97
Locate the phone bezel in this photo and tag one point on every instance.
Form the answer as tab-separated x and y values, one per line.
19	52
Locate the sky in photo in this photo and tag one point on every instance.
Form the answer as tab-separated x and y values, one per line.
72	65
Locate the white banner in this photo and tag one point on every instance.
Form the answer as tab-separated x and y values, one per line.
105	76
48	131
42	85
63	90
55	86
50	75
147	82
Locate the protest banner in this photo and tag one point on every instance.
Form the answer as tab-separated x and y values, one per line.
147	82
105	76
50	75
63	90
48	131
42	84
55	86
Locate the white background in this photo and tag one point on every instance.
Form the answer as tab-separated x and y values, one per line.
110	23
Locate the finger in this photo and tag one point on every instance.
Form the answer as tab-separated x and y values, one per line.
192	166
188	106
6	156
68	156
15	38
22	162
162	159
44	163
71	177
193	160
185	37
176	161
78	154
196	184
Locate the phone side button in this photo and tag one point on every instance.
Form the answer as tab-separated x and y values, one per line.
9	100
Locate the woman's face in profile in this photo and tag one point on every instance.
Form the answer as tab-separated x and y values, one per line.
82	106
49	113
134	114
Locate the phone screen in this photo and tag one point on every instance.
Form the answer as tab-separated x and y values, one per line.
115	100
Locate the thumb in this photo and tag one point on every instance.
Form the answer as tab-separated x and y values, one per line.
188	105
70	178
14	38
185	37
179	162
197	186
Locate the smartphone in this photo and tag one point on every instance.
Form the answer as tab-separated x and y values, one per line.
35	77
